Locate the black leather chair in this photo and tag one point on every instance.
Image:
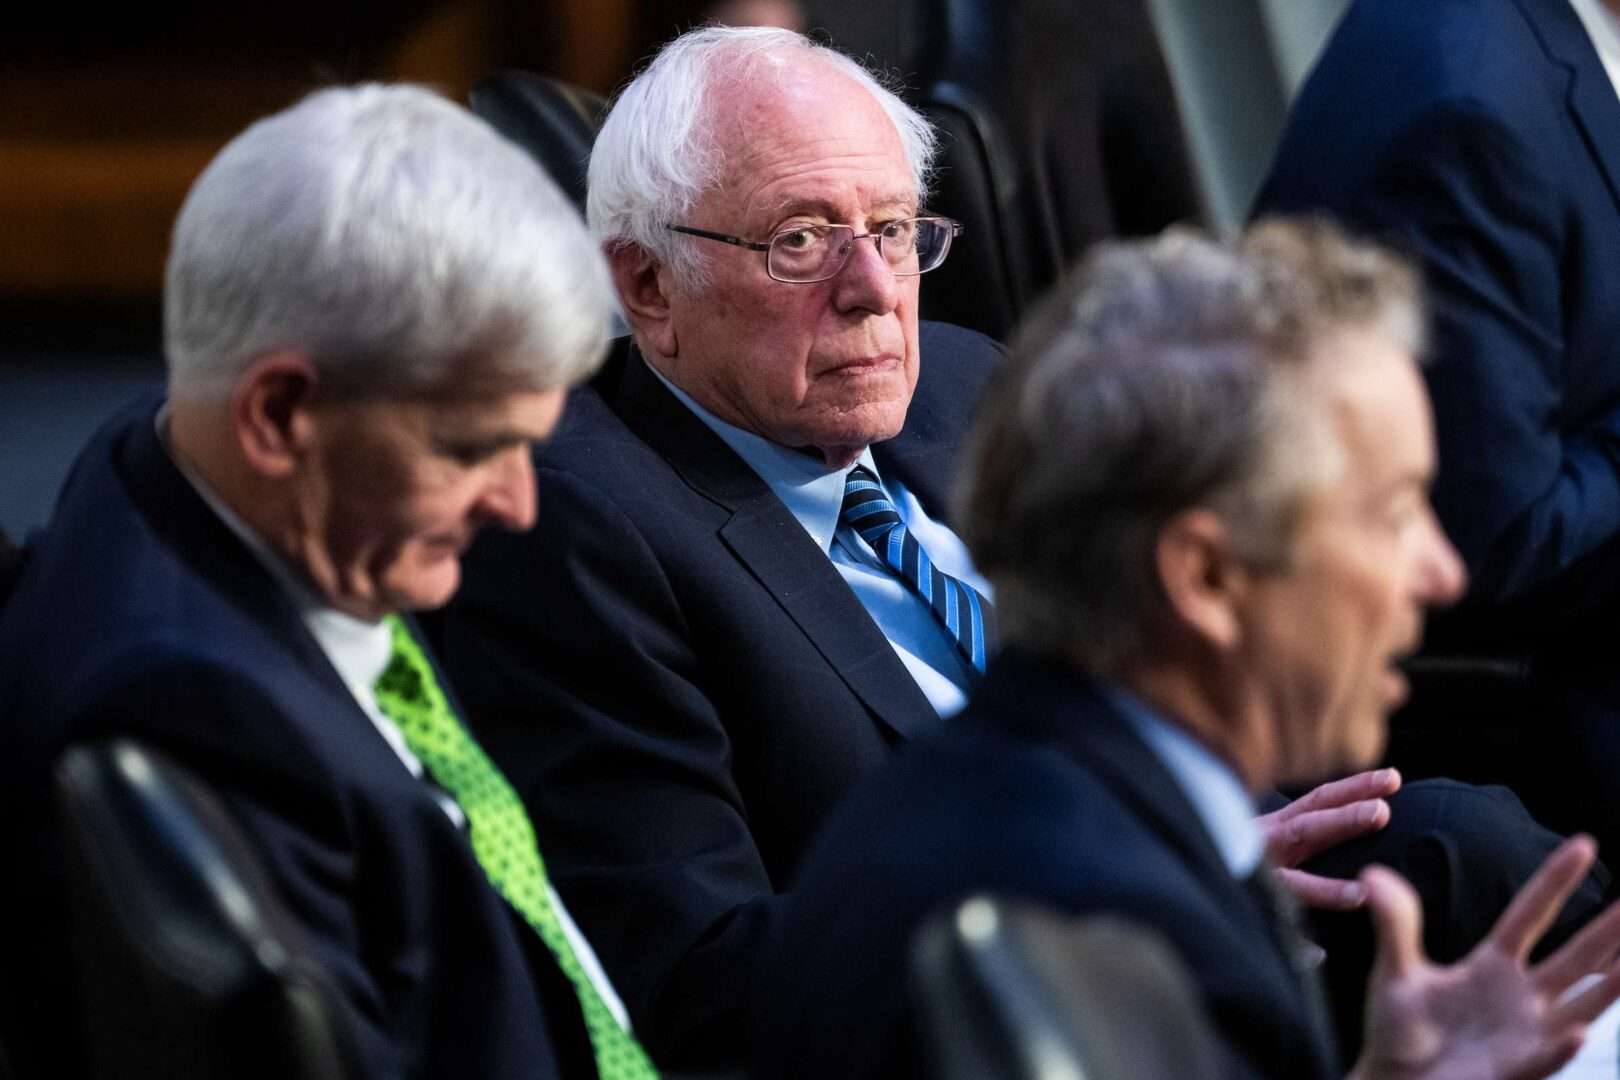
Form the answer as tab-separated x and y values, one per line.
188	965
553	121
1060	128
1014	992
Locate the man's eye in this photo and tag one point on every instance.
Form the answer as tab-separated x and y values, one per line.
798	239
893	229
469	453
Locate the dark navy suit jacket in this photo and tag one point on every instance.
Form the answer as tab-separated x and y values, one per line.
140	613
1040	790
680	683
1484	137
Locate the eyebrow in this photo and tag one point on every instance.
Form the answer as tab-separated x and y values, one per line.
823	208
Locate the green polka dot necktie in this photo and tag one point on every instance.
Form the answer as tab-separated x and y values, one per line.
502	837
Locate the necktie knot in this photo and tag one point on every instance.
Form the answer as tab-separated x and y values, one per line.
401	679
967	617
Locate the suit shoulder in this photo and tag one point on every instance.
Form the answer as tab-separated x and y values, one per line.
1400	56
956	346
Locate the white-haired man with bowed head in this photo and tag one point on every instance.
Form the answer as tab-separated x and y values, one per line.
374	307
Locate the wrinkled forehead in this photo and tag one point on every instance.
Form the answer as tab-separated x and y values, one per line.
785	114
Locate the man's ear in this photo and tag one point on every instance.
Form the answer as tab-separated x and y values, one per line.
1203	580
643	286
271	411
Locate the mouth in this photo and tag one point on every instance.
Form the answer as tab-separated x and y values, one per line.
1395	686
1397	678
863	365
456	545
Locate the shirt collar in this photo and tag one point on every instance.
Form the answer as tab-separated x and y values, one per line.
1603	27
812	493
358	649
1216	793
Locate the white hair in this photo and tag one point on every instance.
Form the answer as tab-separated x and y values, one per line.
657	152
390	236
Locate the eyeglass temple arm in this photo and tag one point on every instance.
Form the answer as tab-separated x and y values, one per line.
734	241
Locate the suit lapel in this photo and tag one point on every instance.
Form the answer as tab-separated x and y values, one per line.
1592	98
1067	710
1048	703
766	539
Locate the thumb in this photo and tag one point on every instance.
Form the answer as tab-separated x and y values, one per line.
1398	920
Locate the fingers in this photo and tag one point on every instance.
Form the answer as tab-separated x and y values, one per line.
1292	840
1584	1005
1592	949
1538	903
1376	784
1329	894
1398	921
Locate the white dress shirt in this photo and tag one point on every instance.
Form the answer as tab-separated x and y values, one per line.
1603	27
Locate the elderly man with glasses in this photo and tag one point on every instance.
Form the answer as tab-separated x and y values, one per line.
744	596
741	596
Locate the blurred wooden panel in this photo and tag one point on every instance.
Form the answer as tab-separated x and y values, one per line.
91	217
99	143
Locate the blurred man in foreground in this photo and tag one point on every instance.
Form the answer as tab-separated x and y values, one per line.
373	308
1200	491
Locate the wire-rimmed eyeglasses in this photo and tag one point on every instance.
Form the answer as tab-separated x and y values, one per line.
808	253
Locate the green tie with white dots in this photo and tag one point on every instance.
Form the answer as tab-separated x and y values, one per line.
502	837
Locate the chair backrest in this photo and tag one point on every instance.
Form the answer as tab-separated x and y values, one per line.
1060	128
555	122
1014	992
188	964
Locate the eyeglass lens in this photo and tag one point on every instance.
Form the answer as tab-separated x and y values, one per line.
816	252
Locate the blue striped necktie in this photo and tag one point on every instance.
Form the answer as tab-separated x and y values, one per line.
966	616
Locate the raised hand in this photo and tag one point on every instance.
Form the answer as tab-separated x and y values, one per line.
1323	818
1490	1016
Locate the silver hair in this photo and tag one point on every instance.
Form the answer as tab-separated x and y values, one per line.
391	237
657	153
1166	374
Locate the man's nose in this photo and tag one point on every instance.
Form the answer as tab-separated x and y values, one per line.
867	281
1442	576
510	498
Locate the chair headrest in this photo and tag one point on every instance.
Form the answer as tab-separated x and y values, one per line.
554	121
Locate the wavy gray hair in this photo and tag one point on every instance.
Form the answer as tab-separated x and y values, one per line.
1165	374
657	153
390	236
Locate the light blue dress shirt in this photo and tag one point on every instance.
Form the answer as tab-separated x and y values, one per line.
813	494
1216	793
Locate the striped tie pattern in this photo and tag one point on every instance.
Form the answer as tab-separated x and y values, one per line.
966	616
502	836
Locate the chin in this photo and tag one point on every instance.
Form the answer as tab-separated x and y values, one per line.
1363	750
425	591
867	424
